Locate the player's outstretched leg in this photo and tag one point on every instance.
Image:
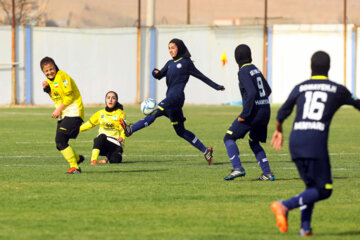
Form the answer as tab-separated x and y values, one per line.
208	154
262	160
234	156
281	214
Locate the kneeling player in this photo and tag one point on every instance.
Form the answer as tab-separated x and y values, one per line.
110	141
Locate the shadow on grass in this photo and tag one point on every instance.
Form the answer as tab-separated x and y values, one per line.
125	171
227	163
348	233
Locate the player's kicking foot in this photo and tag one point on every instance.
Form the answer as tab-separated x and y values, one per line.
81	159
267	177
103	161
281	214
306	233
93	162
74	170
126	127
237	172
208	154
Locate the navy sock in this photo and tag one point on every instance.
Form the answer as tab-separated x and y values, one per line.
148	120
309	196
233	153
306	213
193	140
260	156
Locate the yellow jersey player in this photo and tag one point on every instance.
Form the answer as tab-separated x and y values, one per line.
69	110
111	138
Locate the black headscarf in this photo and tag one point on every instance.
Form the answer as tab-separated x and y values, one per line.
117	104
47	60
183	52
320	63
243	54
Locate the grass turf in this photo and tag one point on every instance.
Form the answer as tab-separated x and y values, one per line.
164	189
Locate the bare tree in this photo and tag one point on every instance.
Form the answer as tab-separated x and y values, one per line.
27	12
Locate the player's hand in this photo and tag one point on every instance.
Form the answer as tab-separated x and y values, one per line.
222	89
277	140
240	119
45	84
56	113
120	139
156	71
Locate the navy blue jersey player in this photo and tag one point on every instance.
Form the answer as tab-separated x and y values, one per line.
177	73
254	118
316	100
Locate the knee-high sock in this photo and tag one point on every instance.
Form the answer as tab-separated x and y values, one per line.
306	213
147	121
233	153
309	196
193	140
260	156
95	154
70	156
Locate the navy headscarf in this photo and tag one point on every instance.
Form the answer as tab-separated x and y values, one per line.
320	63
243	54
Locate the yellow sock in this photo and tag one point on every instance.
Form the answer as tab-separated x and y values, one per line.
70	156
95	154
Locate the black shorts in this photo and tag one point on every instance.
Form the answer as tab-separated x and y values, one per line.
257	131
172	110
314	172
69	126
109	147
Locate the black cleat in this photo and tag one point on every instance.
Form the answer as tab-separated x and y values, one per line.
267	177
237	172
126	127
81	159
209	155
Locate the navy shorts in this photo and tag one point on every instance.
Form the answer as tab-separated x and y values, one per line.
314	172
172	110
240	129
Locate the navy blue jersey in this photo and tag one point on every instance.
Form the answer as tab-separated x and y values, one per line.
316	102
255	92
177	75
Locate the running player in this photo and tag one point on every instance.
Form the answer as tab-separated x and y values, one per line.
111	138
316	100
254	117
177	72
69	110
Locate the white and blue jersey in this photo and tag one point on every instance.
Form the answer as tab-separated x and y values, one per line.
316	102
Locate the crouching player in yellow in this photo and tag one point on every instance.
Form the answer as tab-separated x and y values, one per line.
111	138
69	110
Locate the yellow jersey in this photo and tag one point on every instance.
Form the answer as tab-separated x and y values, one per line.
64	90
108	121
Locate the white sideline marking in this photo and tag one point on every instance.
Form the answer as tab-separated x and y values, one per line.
87	141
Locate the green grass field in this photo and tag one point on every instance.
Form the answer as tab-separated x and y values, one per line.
164	189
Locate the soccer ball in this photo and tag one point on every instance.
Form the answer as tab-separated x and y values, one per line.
148	106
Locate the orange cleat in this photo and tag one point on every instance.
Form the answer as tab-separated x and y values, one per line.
93	162
103	161
73	170
281	213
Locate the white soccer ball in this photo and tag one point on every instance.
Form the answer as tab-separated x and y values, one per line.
148	106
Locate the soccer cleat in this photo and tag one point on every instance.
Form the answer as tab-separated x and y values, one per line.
237	172
103	161
126	127
209	155
281	214
267	177
306	233
81	159
74	170
93	162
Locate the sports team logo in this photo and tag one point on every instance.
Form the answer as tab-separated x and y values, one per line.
178	65
102	116
56	85
115	117
66	83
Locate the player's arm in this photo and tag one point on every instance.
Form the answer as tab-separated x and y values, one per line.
193	71
92	122
249	101
122	132
348	99
158	74
46	87
278	137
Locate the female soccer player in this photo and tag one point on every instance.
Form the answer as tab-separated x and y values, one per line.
254	117
111	138
316	100
69	110
177	72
